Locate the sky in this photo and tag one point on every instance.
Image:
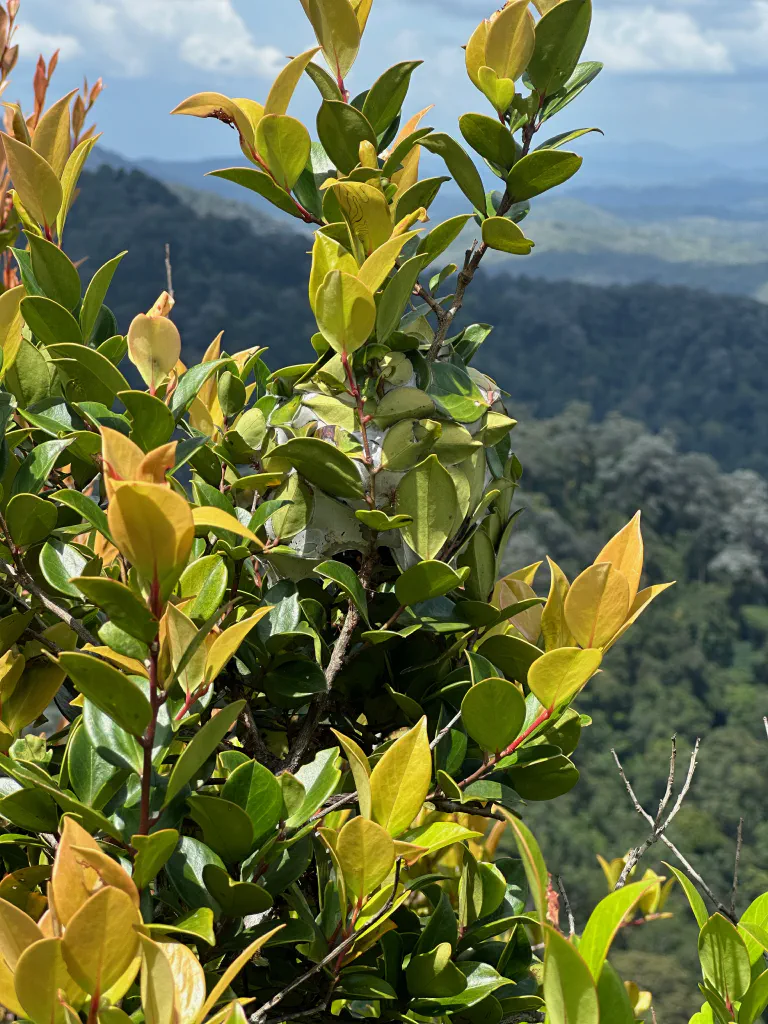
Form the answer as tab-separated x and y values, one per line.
687	73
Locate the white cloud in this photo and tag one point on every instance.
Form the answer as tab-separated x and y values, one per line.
144	36
32	42
651	39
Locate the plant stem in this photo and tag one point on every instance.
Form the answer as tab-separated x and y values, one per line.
485	769
147	741
355	392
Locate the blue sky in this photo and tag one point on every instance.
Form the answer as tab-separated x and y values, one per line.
689	73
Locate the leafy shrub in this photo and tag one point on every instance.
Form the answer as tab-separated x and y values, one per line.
301	707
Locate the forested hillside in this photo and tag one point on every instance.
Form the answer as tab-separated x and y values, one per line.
694	666
673	358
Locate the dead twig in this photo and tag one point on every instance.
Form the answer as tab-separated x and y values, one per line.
735	886
658	833
567	906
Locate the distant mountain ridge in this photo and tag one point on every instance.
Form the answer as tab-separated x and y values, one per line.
672	357
706	227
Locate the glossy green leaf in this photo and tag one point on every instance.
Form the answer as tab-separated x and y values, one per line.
460	165
254	788
54	272
121	605
541	170
226	827
491	139
505	236
493	713
109	689
201	747
427	580
427	494
152	853
724	958
322	464
560	39
341	128
348	580
35	469
606	920
30	519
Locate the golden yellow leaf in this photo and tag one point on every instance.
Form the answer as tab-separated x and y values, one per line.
188	978
208	391
527	574
11	325
108	871
597	605
366	853
345	312
8	997
11	668
362	9
510	591
154	346
625	553
36	689
51	138
361	771
554	628
72	881
400	780
43	983
207	517
408	174
158	991
17	932
557	676
285	84
215	104
100	942
227	643
639	605
34	180
154	529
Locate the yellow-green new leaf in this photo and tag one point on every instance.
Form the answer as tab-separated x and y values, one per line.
180	633
361	771
381	262
227	643
625	553
427	494
153	527
400	780
510	40
154	347
503	234
366	211
11	325
283	143
285	84
51	139
366	854
338	32
70	178
557	676
328	255
345	311
110	690
606	920
232	972
34	180
597	605
569	989
533	862
101	942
